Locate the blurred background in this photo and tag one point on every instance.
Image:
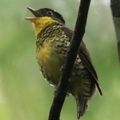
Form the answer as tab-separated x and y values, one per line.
24	94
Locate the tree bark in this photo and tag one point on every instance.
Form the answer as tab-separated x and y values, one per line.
115	8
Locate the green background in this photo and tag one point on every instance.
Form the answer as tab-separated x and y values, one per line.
24	94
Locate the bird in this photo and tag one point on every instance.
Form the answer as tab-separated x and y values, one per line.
53	39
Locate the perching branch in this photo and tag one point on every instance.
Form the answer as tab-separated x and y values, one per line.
71	56
115	7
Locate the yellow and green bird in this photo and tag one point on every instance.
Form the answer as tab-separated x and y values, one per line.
52	43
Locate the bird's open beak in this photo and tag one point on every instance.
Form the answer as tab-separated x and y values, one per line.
34	12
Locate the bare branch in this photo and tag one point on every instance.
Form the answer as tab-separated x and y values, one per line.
71	56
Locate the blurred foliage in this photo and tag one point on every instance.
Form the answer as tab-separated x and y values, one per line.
24	94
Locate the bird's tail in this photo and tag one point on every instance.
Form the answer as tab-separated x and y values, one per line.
81	106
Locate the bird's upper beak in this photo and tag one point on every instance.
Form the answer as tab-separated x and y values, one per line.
34	12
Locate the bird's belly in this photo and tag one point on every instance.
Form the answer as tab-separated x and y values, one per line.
49	63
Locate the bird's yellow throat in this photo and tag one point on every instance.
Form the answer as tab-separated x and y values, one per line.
41	22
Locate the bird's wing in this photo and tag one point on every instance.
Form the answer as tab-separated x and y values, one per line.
85	57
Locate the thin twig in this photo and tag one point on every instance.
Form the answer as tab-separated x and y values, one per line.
71	56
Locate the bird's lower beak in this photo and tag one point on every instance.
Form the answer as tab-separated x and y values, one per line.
32	19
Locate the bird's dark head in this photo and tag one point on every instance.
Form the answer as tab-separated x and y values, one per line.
47	12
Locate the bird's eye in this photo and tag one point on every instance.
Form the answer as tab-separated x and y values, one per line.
49	12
